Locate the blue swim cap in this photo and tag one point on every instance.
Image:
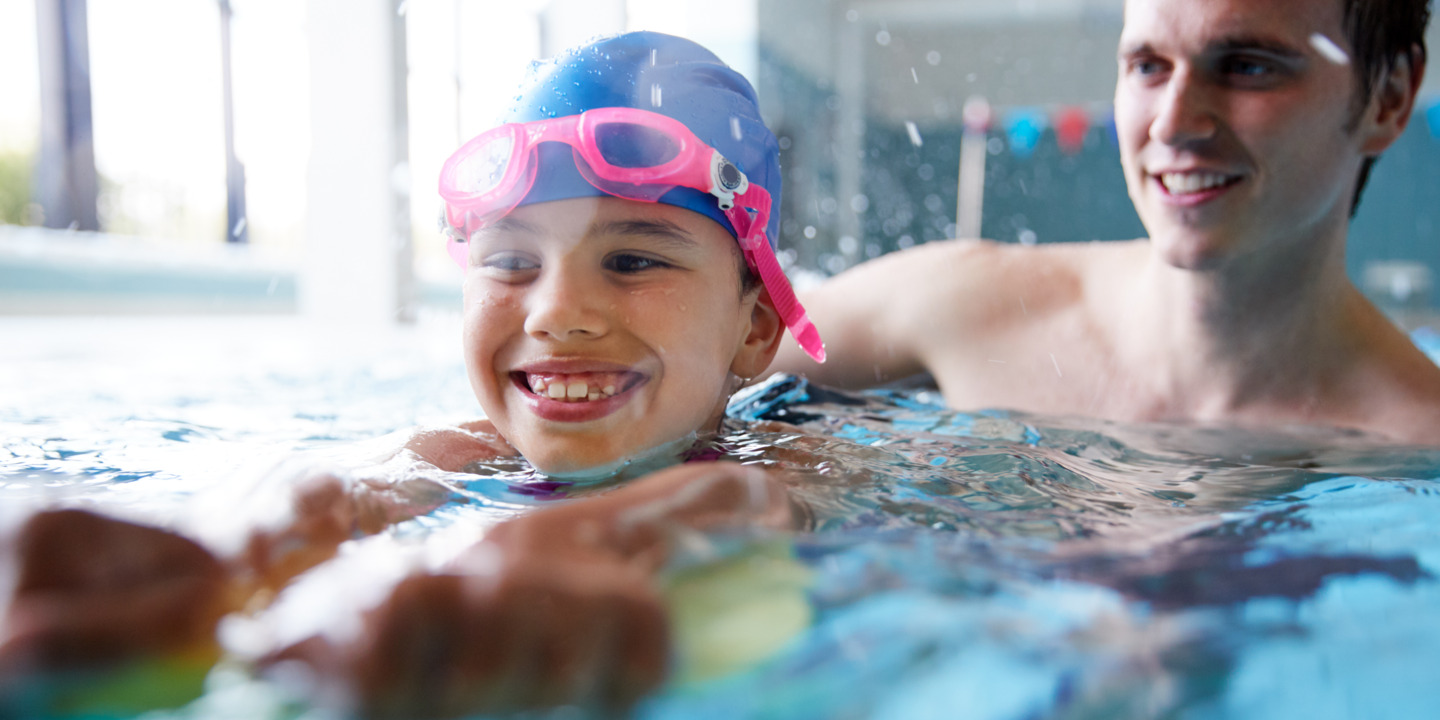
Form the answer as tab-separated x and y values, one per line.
662	74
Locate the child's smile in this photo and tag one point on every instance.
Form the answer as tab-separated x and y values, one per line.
565	393
598	329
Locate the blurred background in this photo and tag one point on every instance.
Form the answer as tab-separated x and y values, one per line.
279	157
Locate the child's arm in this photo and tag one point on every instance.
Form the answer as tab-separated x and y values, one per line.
89	590
560	606
92	591
295	519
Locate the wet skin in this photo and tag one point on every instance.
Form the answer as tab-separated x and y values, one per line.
637	305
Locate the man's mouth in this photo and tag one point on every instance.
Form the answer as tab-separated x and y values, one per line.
577	387
1194	183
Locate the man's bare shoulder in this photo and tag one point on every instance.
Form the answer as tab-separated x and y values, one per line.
982	285
1399	391
909	311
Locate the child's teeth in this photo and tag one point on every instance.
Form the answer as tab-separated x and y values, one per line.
572	390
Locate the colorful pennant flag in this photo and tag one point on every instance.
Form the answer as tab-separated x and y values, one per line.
1023	128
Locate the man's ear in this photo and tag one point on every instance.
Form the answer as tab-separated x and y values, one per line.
762	341
1394	101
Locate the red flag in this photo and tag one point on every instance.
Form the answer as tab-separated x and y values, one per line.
1070	127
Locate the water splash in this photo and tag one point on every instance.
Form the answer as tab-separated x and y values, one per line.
914	133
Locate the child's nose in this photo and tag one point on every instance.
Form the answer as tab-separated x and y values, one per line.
564	305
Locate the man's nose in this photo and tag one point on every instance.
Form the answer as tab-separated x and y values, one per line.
1185	112
564	304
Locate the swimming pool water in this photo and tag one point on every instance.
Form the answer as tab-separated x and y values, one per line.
982	565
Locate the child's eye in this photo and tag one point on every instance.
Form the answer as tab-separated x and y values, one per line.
632	263
509	262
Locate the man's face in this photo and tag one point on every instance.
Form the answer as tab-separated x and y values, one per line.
1235	120
597	329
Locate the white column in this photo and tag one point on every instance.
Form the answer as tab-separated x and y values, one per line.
356	262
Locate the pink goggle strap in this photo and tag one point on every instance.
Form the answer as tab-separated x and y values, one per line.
762	259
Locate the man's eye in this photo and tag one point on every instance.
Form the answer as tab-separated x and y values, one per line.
1245	68
629	263
1145	67
509	262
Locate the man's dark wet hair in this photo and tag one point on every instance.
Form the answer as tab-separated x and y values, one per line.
1381	32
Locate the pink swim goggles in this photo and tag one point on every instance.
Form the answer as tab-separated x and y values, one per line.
629	153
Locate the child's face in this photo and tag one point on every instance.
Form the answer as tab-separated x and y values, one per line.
597	329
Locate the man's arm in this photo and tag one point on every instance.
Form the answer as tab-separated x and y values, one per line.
893	317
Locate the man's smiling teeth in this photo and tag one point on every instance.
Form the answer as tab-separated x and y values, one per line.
1183	183
573	388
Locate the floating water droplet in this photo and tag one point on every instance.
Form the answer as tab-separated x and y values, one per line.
1328	49
882	37
914	133
933	57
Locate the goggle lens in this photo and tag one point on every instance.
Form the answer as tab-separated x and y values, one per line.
481	171
629	145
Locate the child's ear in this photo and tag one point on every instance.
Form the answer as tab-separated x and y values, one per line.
762	341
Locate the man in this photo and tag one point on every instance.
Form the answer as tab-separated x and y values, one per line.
1246	130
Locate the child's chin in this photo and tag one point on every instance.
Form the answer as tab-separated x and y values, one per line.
568	467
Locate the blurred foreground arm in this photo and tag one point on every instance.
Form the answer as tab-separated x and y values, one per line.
557	607
297	517
92	591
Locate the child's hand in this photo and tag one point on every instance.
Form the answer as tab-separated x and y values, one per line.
303	513
533	633
560	606
92	591
638	522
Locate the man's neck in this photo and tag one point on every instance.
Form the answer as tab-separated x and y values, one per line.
1262	329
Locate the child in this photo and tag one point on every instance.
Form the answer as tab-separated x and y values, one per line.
612	232
620	284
